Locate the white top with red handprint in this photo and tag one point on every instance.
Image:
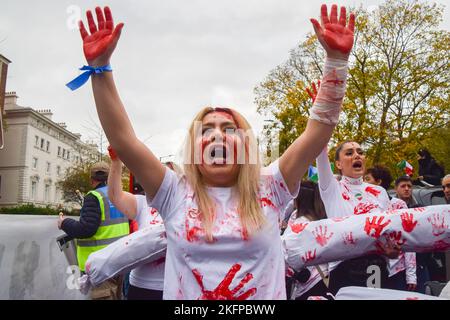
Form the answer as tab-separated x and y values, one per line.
233	266
406	260
151	275
315	277
348	196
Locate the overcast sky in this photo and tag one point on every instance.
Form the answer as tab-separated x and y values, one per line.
173	58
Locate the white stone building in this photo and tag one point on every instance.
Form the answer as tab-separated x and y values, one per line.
36	154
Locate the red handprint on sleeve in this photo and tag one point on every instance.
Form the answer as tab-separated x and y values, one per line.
396	238
373	191
348	238
439	227
408	222
222	291
309	256
298	227
363	208
321	235
377	226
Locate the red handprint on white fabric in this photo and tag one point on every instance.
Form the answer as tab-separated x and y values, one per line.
222	291
408	222
419	209
373	191
439	225
377	226
321	235
348	238
363	208
298	227
396	237
345	196
266	202
193	234
309	256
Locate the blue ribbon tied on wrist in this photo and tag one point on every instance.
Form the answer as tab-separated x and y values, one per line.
84	77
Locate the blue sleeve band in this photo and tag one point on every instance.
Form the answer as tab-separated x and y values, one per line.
84	77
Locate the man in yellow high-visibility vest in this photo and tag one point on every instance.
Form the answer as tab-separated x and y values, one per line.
100	224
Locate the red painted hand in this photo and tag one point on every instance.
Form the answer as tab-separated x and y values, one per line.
112	153
100	44
335	36
315	89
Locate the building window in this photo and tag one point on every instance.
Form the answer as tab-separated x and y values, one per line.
34	163
68	155
59	151
48	146
33	190
48	167
36	141
64	153
58	170
47	193
42	143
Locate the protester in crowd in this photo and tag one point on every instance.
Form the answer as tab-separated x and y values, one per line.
402	271
446	188
100	224
146	282
222	217
310	208
351	195
403	190
429	170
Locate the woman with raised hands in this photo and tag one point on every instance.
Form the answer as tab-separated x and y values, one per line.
146	281
221	216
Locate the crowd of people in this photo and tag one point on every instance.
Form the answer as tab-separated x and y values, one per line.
222	211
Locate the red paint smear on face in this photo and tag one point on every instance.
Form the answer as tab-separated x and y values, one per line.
223	291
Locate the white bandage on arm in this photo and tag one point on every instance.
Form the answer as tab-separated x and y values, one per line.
328	103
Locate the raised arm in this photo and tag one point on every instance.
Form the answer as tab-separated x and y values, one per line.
336	37
124	201
98	47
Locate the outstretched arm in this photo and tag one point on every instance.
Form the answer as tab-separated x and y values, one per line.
337	39
98	47
124	201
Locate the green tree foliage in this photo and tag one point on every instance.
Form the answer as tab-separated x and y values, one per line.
77	177
397	95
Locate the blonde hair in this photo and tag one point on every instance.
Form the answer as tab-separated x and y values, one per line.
249	208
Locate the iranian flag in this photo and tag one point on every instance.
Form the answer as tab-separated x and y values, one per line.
406	167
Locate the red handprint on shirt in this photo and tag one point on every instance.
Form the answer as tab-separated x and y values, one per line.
377	226
266	202
363	208
373	191
408	222
309	256
298	227
222	291
193	234
345	196
439	227
321	235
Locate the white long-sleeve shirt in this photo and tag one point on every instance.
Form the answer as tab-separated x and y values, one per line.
348	196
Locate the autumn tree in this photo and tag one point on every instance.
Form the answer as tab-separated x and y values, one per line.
397	88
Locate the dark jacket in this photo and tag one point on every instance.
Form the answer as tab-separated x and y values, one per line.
90	218
431	171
